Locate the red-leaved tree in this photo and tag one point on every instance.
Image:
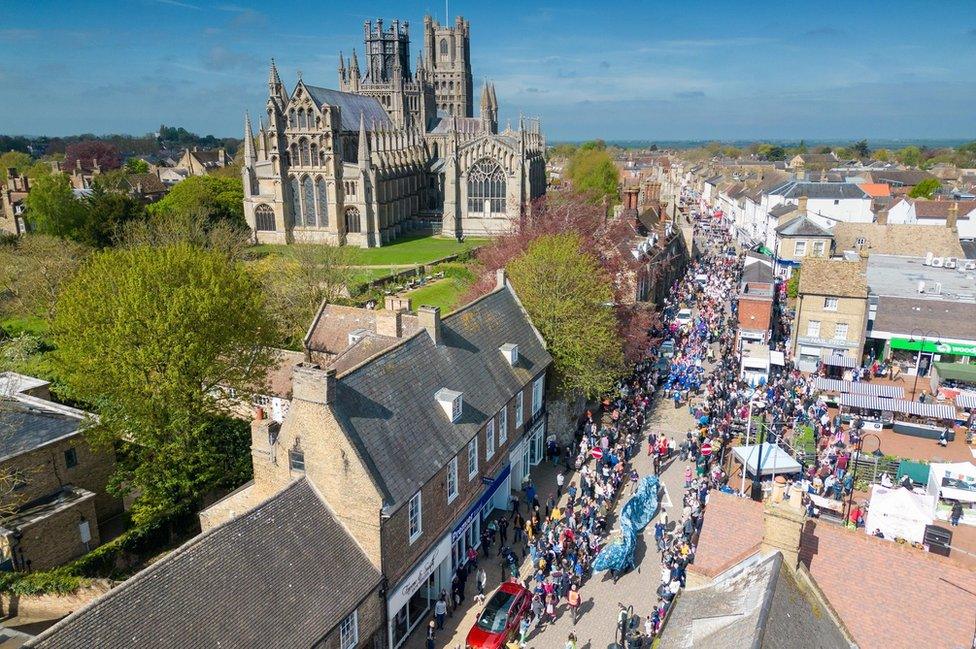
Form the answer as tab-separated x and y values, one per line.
90	151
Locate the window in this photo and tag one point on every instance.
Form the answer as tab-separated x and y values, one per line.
416	517
860	241
444	47
472	458
519	399
296	460
836	201
71	458
830	303
308	201
818	248
452	480
296	201
292	119
813	328
503	426
537	394
352	219
323	201
264	219
301	119
486	188
840	331
303	153
800	249
490	438
349	631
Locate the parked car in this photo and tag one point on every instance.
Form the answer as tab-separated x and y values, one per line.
500	618
684	317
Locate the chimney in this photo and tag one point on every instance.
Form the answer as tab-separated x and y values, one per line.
782	529
264	435
500	278
953	216
802	205
430	319
313	384
394	303
389	323
882	217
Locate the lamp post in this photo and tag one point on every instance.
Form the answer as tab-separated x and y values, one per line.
860	445
761	404
918	358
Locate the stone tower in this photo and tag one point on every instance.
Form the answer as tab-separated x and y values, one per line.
448	52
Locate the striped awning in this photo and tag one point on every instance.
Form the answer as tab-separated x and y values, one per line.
966	401
934	410
836	360
852	387
867	402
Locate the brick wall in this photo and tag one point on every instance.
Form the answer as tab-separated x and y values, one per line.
370	618
851	311
55	540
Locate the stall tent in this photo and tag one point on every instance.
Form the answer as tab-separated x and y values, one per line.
953	481
899	513
775	461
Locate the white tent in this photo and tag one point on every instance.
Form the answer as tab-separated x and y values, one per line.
774	459
954	481
899	513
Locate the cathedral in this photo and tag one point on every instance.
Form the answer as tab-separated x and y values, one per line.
392	150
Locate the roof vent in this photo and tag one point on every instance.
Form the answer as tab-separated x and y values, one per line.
510	351
356	335
451	401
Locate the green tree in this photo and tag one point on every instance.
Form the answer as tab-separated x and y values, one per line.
137	166
793	284
925	189
33	268
569	297
14	160
910	155
861	148
38	169
53	209
151	338
218	199
881	155
108	213
593	173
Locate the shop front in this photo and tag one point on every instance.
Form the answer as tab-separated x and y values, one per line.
527	453
467	532
923	354
410	602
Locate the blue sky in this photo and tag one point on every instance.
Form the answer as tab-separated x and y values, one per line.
617	70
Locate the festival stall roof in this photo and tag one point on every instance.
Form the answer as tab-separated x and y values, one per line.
966	401
953	481
851	387
774	459
836	360
899	513
934	410
964	372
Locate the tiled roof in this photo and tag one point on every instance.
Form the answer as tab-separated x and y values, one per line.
281	575
833	277
782	210
950	318
279	377
898	239
796	189
758	273
801	226
469	125
387	406
940	209
146	183
351	107
901	177
733	531
758	604
876	189
818	158
330	332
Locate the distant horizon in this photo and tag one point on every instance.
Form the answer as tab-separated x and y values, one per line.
630	70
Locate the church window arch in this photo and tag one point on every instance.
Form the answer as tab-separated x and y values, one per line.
302	123
444	47
308	201
322	195
305	157
296	200
315	153
264	219
292	119
352	219
486	187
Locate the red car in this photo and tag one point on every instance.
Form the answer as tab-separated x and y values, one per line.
500	618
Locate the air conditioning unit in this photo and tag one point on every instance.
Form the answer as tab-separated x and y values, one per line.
928	258
950	263
937	262
971	265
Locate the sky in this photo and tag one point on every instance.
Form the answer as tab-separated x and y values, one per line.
730	70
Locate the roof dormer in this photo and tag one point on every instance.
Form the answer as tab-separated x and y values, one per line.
510	352
451	401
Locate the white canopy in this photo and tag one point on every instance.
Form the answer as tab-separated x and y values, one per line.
954	481
774	459
899	513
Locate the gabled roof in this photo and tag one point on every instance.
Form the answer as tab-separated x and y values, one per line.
833	277
876	190
900	177
802	226
926	209
796	189
351	107
465	125
146	183
912	240
783	209
281	575
386	406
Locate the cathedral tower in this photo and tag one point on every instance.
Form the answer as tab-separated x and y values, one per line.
448	51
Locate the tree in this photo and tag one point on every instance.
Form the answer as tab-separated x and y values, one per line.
88	152
861	149
14	160
771	152
33	268
593	173
569	298
108	213
52	207
193	227
216	198
137	166
881	155
910	155
154	339
793	284
824	149
925	188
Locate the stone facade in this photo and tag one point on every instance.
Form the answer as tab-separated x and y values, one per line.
392	150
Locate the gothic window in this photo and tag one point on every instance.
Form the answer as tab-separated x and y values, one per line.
292	120
486	188
315	154
293	158
443	47
308	201
352	219
323	198
264	219
296	201
301	119
304	153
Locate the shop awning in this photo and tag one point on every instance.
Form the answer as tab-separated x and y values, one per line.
966	401
836	360
964	372
934	410
867	402
774	459
852	387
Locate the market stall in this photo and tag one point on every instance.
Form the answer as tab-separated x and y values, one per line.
836	365
875	413
899	513
914	418
775	461
833	388
950	482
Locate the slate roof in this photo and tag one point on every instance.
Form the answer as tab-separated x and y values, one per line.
912	240
147	183
27	426
833	277
350	107
796	189
802	226
782	210
757	274
387	407
469	125
281	575
900	177
951	318
758	604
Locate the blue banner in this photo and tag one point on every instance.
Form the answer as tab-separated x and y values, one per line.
475	509
634	517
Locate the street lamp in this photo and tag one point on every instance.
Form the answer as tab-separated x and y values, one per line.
876	453
760	404
918	358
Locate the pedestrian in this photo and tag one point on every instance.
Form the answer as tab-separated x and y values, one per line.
571	641
956	514
503	531
688	476
440	612
482	580
560	481
524	627
430	635
623	622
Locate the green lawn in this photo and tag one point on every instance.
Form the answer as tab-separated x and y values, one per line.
418	249
445	294
14	325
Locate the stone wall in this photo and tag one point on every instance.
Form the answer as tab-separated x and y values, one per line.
53	607
370	619
56	539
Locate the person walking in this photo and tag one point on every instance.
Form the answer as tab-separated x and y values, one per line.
482	581
440	612
574	599
955	514
524	627
560	481
571	641
430	635
623	622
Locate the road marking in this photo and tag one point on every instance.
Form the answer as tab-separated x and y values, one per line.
666	501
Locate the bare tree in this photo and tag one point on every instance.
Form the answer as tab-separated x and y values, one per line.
32	271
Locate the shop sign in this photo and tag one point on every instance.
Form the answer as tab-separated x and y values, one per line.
418	577
960	349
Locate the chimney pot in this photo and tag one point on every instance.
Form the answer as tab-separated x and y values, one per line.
430	320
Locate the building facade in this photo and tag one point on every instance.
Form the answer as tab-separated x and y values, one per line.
392	150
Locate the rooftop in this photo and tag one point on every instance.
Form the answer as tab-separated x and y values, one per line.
29	422
897	239
895	276
351	106
796	189
833	277
802	226
946	318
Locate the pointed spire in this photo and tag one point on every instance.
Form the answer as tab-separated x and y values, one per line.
342	65
248	140
494	99
363	142
354	64
274	81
